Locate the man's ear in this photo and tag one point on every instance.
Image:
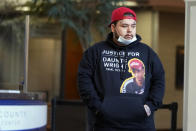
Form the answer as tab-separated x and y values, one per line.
112	27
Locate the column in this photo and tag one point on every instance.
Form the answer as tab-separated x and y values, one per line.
189	107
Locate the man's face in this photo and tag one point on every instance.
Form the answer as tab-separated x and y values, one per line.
139	76
125	28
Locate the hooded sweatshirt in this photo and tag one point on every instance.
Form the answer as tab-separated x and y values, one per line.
116	82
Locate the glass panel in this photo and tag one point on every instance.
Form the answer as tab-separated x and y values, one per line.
11	52
44	55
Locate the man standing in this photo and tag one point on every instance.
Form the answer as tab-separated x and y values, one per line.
104	70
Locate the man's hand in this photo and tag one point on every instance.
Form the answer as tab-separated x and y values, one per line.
147	109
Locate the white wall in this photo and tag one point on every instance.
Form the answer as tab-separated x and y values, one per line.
189	114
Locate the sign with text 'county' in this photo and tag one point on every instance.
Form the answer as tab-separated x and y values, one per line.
26	115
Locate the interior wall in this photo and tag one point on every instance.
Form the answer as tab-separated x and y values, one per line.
171	34
144	25
44	67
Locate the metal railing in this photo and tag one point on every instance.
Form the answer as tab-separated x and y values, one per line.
173	107
76	112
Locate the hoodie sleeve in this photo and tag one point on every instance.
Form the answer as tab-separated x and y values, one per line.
156	93
86	86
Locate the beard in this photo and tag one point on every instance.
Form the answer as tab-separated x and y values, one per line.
115	35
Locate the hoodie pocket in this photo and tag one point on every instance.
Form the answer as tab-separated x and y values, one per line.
125	108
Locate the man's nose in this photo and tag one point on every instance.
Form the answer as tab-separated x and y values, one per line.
140	74
129	29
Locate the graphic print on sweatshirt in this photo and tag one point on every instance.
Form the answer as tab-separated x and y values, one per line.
136	83
115	61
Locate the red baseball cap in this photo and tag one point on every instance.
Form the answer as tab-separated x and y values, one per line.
118	14
135	64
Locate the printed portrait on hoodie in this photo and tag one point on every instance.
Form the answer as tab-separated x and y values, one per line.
136	83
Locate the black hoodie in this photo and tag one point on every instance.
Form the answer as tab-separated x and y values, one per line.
108	85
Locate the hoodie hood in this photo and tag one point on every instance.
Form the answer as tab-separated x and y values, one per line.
113	44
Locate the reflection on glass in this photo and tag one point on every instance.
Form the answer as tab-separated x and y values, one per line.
11	52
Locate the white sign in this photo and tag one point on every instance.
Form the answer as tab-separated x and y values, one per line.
22	117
